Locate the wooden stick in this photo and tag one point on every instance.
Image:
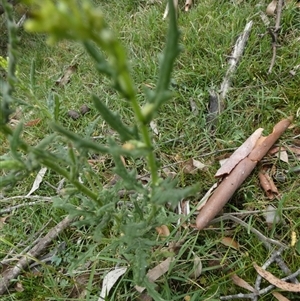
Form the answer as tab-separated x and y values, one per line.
274	34
238	175
10	274
217	104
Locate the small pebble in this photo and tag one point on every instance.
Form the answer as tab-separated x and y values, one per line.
84	109
73	114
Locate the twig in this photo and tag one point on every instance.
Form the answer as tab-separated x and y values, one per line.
10	209
26	259
30	197
26	243
272	258
233	62
260	292
265	240
274	34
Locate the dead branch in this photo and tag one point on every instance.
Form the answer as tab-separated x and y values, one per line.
36	251
233	62
274	34
268	242
28	243
260	292
237	176
12	208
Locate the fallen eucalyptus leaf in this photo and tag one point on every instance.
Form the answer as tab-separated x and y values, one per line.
109	280
38	180
286	286
271	8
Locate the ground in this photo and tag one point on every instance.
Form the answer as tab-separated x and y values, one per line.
180	133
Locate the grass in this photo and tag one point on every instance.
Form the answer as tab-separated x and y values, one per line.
256	99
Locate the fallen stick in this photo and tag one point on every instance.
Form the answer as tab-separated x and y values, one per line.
217	99
237	176
274	34
261	292
28	258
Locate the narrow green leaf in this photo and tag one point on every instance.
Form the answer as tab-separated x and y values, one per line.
170	53
101	65
81	142
113	120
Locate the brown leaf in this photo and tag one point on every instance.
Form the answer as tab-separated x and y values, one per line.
268	185
33	122
163	231
286	286
242	152
271	8
3	220
279	297
65	78
192	166
19	287
197	269
230	242
242	283
156	272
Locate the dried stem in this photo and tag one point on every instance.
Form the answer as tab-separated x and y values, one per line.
274	34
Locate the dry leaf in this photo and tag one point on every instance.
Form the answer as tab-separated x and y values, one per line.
230	242
3	221
19	287
208	194
293	238
33	122
156	272
38	180
192	166
197	269
188	5
271	216
163	231
154	127
242	283
242	152
144	297
283	156
184	207
271	8
279	297
268	185
65	79
286	286
109	280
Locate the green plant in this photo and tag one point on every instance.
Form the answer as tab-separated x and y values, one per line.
142	208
